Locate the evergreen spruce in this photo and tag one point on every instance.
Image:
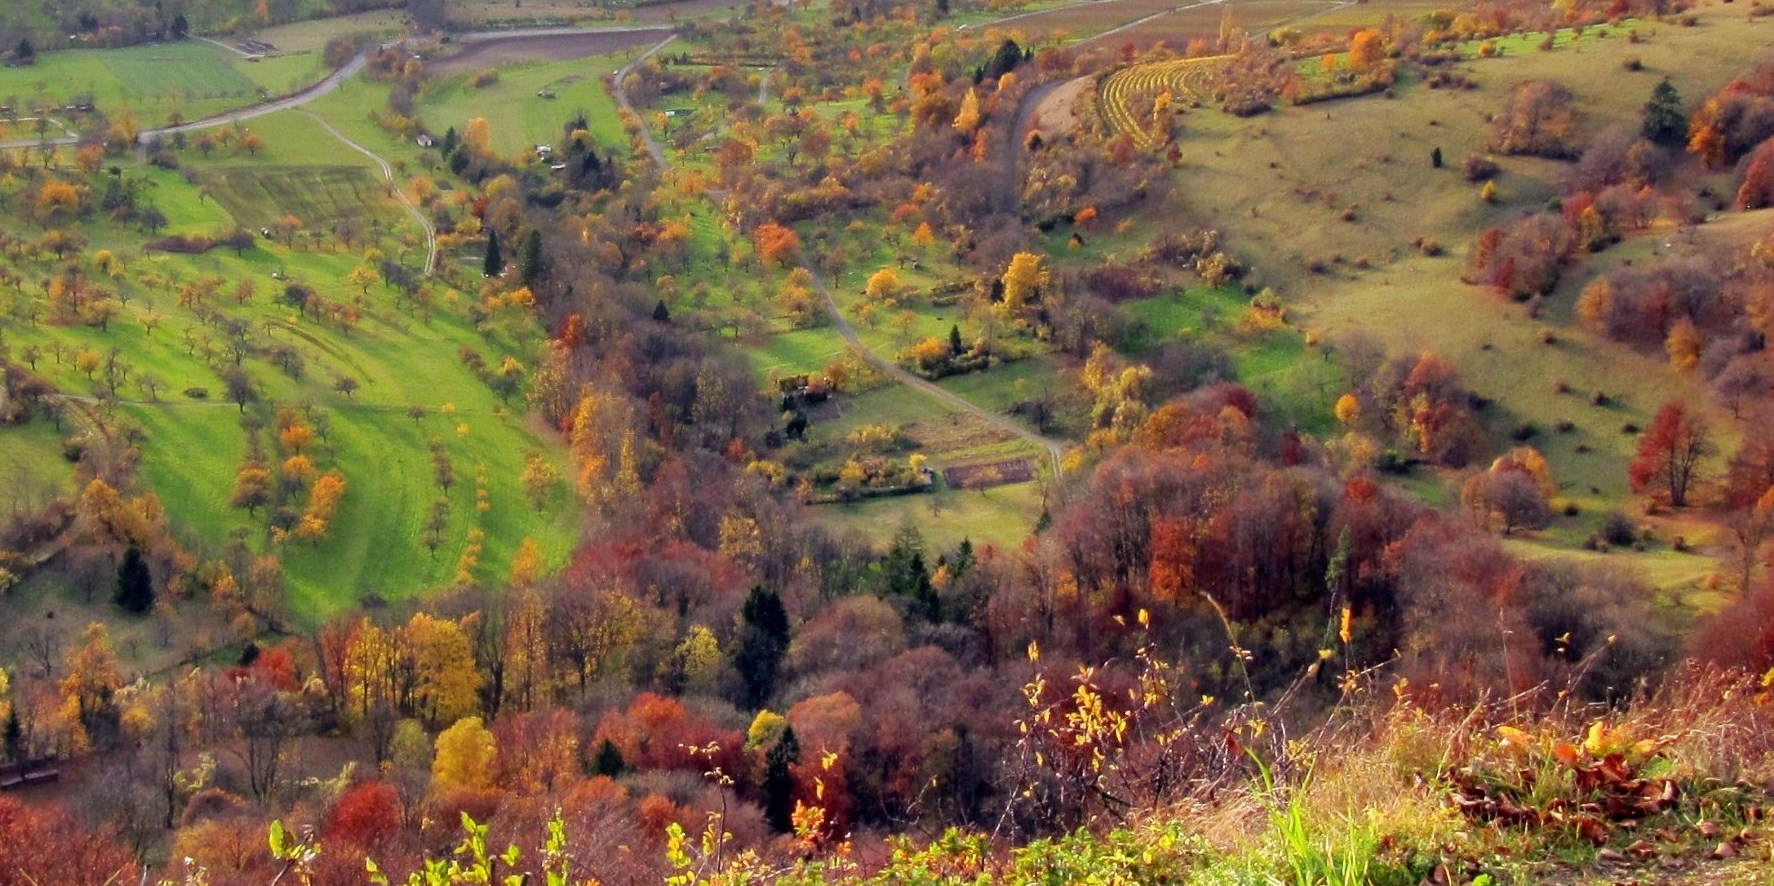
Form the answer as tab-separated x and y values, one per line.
1008	56
495	263
1665	123
905	574
779	784
14	736
763	640
135	585
608	762
529	256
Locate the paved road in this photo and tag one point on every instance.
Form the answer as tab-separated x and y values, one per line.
483	36
1054	449
333	81
621	93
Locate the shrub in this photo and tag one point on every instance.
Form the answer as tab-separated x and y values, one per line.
1478	167
1617	529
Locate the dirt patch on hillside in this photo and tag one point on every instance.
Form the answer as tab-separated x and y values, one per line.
479	13
989	474
1057	114
552	47
957	431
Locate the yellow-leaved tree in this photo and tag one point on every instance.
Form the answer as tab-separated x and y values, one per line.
883	284
466	754
447	684
478	136
1348	409
1683	345
90	688
969	117
1023	280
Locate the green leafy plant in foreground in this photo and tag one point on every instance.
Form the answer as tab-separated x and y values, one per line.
473	861
1312	859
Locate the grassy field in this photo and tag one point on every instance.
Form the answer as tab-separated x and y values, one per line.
311	36
518	118
1003	515
1355	218
795	351
319	195
192	78
191	447
31	464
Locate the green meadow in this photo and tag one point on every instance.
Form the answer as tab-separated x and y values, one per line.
401	358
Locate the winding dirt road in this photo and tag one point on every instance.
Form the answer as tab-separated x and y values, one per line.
1054	449
394	186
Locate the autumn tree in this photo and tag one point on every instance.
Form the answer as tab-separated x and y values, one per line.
924	237
1366	49
89	691
41	844
1538	117
55	200
968	118
1756	190
1023	280
365	815
323	500
776	243
882	285
252	486
538	479
466	757
477	136
1670	453
446	683
1683	344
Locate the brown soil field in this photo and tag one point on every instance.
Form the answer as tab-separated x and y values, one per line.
1144	23
552	47
1058	111
1255	16
1094	18
483	11
981	476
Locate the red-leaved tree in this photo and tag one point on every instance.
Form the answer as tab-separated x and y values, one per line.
1670	453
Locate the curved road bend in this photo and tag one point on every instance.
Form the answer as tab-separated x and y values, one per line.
295	100
388	174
